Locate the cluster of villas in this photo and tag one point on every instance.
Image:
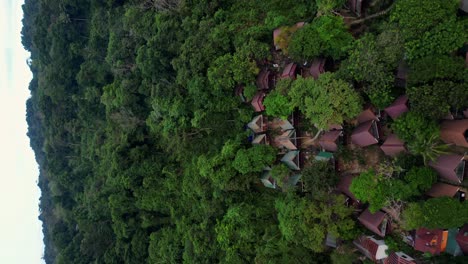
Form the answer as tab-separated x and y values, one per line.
294	152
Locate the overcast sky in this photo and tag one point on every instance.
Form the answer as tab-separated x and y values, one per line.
20	229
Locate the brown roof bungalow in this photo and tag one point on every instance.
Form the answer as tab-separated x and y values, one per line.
366	134
264	80
344	184
375	250
287	140
329	140
377	222
258	124
355	6
392	146
431	241
367	115
462	239
257	102
398	107
399	258
446	190
290	71
455	132
317	68
450	167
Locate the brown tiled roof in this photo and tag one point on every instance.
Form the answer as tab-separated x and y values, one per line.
317	68
328	140
263	80
362	135
373	221
367	115
393	145
369	246
286	140
398	107
455	132
289	71
257	102
399	258
446	165
442	189
462	239
432	241
344	184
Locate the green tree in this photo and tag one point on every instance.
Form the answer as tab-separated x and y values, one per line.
319	177
277	105
280	173
254	159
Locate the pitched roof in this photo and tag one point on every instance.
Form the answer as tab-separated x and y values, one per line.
317	68
344	184
442	189
258	124
455	132
286	140
324	156
367	115
392	146
462	239
293	180
267	180
363	136
449	167
376	222
263	80
432	241
371	248
239	91
289	71
398	107
328	140
399	258
291	159
260	139
452	245
257	102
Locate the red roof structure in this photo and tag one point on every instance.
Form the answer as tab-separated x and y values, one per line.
398	107
344	184
289	71
377	222
455	132
328	140
286	140
462	239
355	6
450	167
392	146
373	249
367	115
263	80
257	102
442	189
432	241
399	258
317	68
365	134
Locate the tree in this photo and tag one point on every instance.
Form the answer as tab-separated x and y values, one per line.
280	173
437	67
413	127
326	35
326	6
325	101
254	159
430	149
319	177
277	105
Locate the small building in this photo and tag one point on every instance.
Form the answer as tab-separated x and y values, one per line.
258	124
317	68
264	80
239	92
377	222
367	114
399	258
355	6
393	146
291	159
324	156
257	102
287	140
290	71
455	132
329	140
451	167
431	241
343	186
375	250
462	239
446	190
261	139
366	134
398	107
453	248
267	180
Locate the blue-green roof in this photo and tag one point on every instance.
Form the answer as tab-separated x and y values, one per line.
452	246
324	156
290	159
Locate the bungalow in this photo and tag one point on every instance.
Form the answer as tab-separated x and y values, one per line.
430	241
392	146
453	248
399	258
398	107
261	139
368	114
264	80
257	102
290	71
291	159
343	187
239	91
455	132
376	222
442	189
317	68
267	180
258	124
372	248
329	140
355	6
450	167
287	140
366	134
462	239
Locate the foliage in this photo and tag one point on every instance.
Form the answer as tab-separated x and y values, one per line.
326	36
254	159
277	105
325	101
326	6
442	212
430	149
280	173
319	177
437	67
413	127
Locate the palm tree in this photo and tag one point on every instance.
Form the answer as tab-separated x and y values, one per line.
429	148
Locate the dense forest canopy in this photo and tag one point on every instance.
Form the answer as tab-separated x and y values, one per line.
142	143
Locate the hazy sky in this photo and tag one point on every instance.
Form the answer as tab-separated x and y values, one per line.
20	229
